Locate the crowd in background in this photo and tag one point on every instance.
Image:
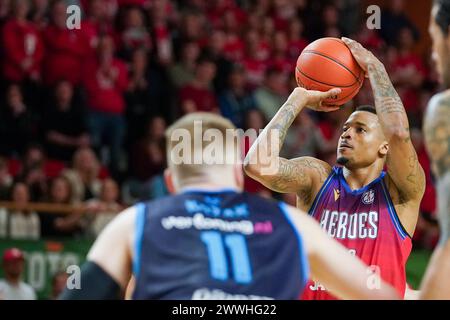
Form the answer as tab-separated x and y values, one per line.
83	112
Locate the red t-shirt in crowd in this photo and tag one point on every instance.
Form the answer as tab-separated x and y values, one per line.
102	93
204	99
21	41
66	51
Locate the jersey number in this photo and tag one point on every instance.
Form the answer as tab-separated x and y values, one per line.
237	248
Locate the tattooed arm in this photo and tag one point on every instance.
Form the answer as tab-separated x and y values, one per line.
436	283
403	165
263	162
437	139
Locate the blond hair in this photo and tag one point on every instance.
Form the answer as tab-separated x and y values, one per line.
187	127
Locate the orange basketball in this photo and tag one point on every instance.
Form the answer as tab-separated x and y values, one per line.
328	63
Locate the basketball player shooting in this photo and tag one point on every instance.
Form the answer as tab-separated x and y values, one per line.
436	283
371	212
210	240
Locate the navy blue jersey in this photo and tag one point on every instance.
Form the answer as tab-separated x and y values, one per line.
217	245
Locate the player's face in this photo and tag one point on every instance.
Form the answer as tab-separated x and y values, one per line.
440	53
362	141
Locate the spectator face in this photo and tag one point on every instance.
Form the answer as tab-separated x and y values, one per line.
97	9
237	79
60	191
330	16
21	9
110	191
280	42
13	268
59	14
276	82
64	94
85	160
190	52
134	19
229	21
206	71
397	6
106	49
441	49
405	39
157	128
20	194
139	60
268	27
14	98
40	5
252	43
193	26
217	41
34	157
295	28
59	283
255	120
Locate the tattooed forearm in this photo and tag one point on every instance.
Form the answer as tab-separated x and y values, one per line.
282	121
387	100
437	133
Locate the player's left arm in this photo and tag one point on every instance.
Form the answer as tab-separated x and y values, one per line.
404	168
107	271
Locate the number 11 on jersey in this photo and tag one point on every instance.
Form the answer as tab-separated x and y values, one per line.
236	245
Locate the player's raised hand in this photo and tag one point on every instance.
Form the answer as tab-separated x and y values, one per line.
313	99
363	56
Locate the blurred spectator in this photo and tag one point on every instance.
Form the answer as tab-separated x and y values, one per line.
33	171
83	176
134	34
273	93
408	73
394	20
97	22
59	283
12	287
183	72
148	156
66	50
104	209
160	14
20	223
304	138
255	61
55	224
39	14
6	180
22	46
106	101
283	12
296	40
198	94
4	11
215	49
65	124
330	22
280	59
236	101
18	125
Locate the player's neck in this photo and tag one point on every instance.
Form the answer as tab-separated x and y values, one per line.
209	187
358	178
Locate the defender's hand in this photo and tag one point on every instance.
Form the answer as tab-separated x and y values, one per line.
363	56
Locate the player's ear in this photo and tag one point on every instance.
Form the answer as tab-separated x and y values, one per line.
239	175
384	148
168	179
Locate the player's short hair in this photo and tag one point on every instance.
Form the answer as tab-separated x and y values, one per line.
186	125
442	17
367	108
